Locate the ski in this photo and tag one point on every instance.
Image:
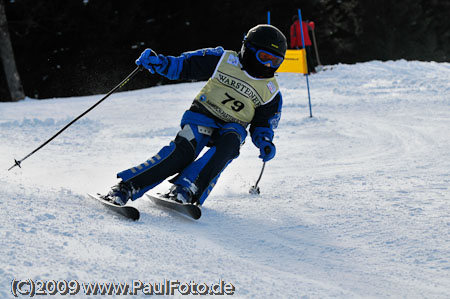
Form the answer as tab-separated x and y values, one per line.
190	210
127	211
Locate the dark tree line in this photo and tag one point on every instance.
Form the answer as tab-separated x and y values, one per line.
81	47
7	59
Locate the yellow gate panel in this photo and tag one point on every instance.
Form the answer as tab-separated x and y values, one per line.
294	62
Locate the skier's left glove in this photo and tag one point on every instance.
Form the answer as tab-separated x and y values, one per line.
267	149
151	61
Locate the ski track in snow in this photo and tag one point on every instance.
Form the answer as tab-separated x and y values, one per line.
355	204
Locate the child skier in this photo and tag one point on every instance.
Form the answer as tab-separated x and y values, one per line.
241	91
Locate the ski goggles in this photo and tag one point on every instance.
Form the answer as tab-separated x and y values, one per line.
265	57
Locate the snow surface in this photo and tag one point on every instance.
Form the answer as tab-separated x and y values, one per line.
355	204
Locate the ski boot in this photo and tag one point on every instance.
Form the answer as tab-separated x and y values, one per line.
120	193
182	194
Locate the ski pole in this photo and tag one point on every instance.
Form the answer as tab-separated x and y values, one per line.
255	189
320	67
118	86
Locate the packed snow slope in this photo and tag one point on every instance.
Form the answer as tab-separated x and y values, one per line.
354	205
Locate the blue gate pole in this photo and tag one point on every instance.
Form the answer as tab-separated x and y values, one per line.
303	43
268	17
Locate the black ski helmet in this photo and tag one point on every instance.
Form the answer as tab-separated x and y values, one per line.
262	37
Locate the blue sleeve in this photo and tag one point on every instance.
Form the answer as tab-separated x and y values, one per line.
195	65
266	120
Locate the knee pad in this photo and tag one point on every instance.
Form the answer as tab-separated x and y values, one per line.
238	129
197	136
228	145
